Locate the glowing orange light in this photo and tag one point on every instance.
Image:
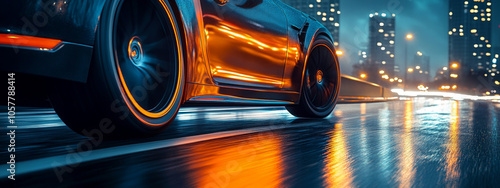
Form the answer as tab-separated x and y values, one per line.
339	52
409	36
406	174
454	65
27	41
362	76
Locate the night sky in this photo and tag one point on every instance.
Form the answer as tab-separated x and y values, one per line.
426	19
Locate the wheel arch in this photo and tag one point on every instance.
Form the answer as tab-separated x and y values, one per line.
314	31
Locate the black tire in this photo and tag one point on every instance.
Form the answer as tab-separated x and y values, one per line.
321	82
136	79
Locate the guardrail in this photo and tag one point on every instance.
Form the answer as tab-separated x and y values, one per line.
356	90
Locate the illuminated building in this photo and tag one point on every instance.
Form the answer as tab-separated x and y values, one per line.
327	12
494	70
381	41
470	36
421	64
362	56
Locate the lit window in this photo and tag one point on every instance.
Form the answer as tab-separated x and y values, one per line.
391	42
380	30
324	18
473	31
319	13
451	13
311	5
381	24
383	48
331	19
319	1
332	10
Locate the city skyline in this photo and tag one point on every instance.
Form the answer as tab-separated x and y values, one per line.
427	20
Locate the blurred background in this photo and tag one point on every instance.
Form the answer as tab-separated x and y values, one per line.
447	45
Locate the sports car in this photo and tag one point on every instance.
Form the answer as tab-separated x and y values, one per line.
133	63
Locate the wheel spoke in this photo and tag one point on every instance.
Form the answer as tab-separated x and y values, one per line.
146	53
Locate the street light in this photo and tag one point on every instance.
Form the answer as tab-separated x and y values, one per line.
381	71
409	37
454	65
362	76
410	70
340	52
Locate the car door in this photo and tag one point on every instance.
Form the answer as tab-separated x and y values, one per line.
246	42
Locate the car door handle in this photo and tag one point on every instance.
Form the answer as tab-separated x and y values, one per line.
221	2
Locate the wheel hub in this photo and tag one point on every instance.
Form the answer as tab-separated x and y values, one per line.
319	76
135	52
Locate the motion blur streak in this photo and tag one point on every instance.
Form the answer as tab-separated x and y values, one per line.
252	162
338	172
453	150
407	156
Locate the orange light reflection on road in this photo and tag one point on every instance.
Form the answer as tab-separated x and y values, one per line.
407	156
255	162
453	149
338	171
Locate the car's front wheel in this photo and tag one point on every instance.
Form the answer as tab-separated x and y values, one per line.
136	79
321	82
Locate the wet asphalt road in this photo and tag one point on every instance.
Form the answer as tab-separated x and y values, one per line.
414	143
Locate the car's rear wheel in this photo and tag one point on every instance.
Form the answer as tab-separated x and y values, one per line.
136	79
321	83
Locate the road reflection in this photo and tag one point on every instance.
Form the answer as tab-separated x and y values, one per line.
254	162
453	147
406	172
338	171
414	143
